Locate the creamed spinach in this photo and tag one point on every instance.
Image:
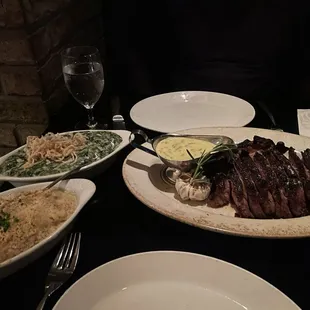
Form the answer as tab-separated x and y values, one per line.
99	144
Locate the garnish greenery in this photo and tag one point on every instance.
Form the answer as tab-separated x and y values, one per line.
5	220
207	156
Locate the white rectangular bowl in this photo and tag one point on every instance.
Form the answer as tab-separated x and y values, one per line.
84	190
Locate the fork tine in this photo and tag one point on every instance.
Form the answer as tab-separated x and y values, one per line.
66	250
76	253
72	247
59	255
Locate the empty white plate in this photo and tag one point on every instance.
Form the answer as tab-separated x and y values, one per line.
191	109
172	280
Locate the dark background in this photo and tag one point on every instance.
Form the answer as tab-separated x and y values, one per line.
257	50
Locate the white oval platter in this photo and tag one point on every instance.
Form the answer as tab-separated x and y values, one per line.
141	173
191	109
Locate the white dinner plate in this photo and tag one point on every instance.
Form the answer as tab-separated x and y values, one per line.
172	281
191	109
142	175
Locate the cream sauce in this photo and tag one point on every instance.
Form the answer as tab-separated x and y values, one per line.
174	148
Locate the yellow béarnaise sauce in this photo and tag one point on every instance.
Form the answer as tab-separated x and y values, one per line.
174	148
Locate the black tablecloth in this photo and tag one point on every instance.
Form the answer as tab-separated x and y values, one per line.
115	224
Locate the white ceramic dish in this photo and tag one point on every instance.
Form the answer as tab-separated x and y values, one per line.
191	109
172	280
84	190
142	175
88	171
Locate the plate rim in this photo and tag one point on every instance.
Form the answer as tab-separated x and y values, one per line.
242	124
232	231
171	252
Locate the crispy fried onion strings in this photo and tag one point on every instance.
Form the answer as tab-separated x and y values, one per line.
54	147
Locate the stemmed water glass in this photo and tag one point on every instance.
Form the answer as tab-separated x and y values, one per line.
83	74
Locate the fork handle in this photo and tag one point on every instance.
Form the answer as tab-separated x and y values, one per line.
41	305
42	302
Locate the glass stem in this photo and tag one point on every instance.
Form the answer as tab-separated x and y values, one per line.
91	120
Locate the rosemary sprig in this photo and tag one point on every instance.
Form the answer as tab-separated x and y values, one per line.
206	156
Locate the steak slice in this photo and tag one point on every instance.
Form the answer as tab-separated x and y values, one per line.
264	162
307	192
302	171
239	200
252	193
297	199
298	165
245	144
285	165
258	143
263	143
306	158
265	169
281	147
288	179
220	193
265	198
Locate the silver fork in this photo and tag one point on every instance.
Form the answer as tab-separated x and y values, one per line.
62	267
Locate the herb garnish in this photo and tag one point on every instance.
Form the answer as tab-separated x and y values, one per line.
206	156
5	220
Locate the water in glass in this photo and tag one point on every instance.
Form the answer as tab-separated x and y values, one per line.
85	82
83	75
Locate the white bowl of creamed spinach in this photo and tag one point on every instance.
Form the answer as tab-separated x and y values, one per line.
99	147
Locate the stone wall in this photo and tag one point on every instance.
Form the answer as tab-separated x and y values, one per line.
32	35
